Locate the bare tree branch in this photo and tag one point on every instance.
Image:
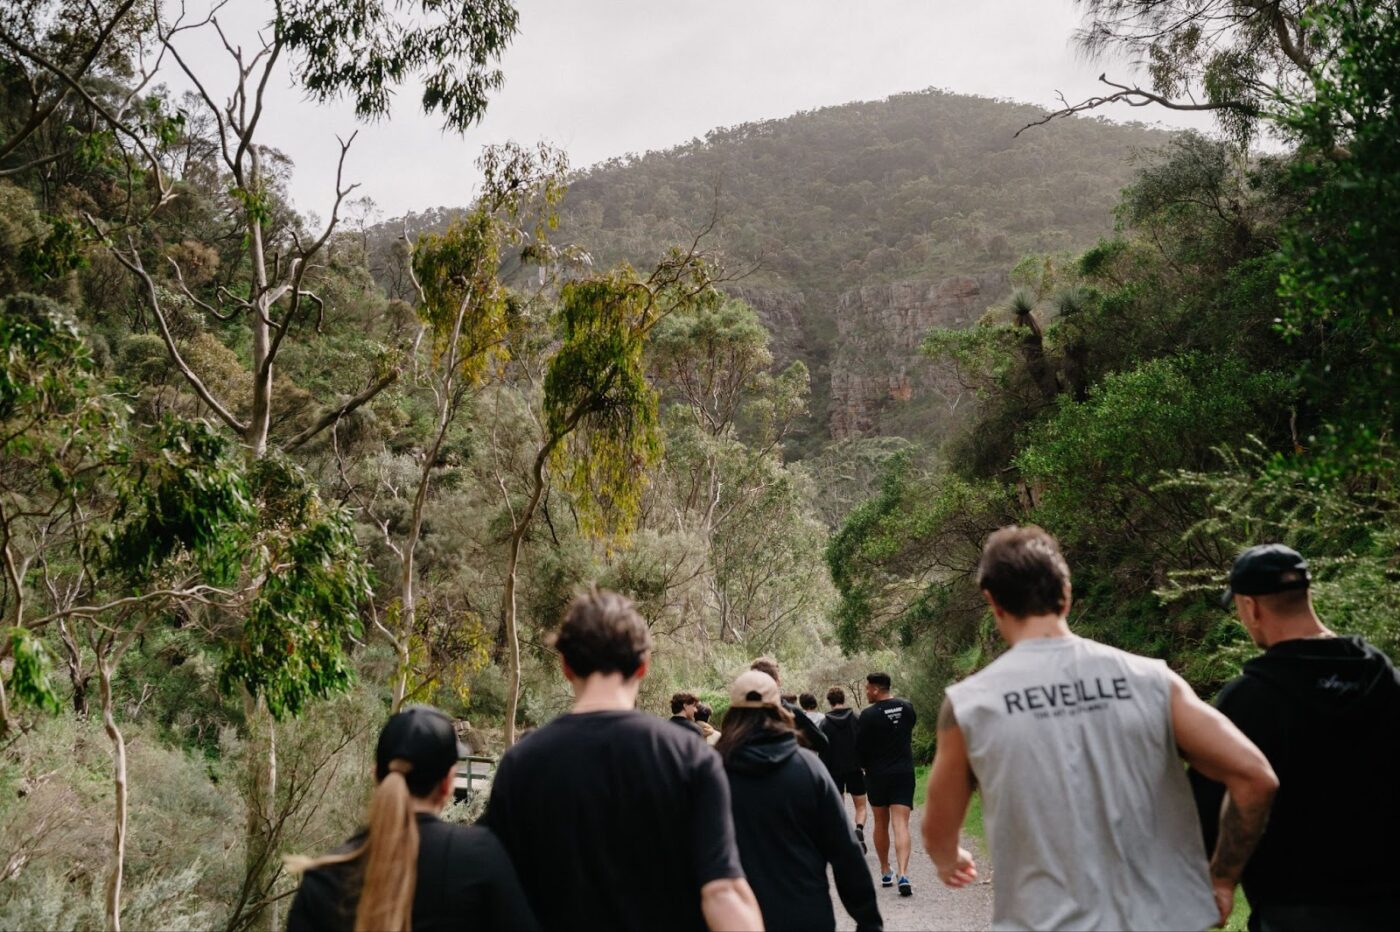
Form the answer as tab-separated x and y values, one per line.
329	417
1134	97
133	263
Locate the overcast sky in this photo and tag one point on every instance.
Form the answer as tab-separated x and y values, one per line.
605	77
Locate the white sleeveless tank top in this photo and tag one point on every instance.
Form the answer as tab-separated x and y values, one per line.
1088	812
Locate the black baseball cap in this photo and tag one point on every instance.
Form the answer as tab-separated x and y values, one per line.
1265	569
424	737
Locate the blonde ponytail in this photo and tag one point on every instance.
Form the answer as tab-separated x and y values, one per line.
390	853
391	856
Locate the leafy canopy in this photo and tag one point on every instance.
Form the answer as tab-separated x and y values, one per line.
365	50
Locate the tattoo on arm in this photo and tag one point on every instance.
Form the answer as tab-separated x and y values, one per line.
946	718
1240	830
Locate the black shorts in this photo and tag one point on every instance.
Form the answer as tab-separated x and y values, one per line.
891	789
853	782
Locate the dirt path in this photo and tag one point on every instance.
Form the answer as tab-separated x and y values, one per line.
933	906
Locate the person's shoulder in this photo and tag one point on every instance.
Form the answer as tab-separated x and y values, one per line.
809	764
1246	689
1135	663
476	838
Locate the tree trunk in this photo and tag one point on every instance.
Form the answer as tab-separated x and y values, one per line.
261	797
114	876
261	416
76	676
517	538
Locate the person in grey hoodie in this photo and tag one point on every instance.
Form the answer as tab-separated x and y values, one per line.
788	818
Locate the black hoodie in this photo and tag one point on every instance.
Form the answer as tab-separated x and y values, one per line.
839	726
1326	713
790	824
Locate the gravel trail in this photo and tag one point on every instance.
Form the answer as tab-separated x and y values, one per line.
933	906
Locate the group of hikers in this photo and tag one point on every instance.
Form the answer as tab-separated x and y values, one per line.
607	817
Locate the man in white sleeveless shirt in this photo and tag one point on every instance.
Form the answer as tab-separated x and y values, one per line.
1077	749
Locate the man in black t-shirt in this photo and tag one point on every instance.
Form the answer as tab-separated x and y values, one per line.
1325	710
615	819
883	735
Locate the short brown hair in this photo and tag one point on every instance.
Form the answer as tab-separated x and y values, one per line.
836	696
1023	570
602	633
766	665
681	700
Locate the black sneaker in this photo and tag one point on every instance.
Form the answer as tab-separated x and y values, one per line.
860	837
887	880
905	887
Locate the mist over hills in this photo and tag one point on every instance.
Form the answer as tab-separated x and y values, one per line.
860	226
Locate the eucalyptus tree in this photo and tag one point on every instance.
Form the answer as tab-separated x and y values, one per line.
598	430
730	413
468	314
106	531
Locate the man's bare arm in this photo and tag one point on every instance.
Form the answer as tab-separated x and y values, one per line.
1212	744
950	785
730	905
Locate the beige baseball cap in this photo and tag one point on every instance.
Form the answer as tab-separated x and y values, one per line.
754	689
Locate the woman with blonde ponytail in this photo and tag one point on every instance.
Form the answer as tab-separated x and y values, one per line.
408	870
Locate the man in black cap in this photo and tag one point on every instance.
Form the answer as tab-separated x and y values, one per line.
1325	710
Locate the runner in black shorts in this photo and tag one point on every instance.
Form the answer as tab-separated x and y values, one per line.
840	757
852	782
883	743
891	789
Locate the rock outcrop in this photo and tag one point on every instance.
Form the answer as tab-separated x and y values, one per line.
877	371
782	311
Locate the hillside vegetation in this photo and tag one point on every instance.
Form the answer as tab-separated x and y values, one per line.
920	186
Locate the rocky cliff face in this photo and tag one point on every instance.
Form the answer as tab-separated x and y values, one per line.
880	383
782	311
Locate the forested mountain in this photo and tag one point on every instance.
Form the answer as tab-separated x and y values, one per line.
807	210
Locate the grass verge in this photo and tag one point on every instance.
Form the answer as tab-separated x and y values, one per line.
972	824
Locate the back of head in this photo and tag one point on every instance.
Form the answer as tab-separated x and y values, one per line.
808	702
881	682
1023	571
835	696
767	665
680	700
703	712
755	713
417	749
603	633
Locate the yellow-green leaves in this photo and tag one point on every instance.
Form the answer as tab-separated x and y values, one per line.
467	308
464	303
598	402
